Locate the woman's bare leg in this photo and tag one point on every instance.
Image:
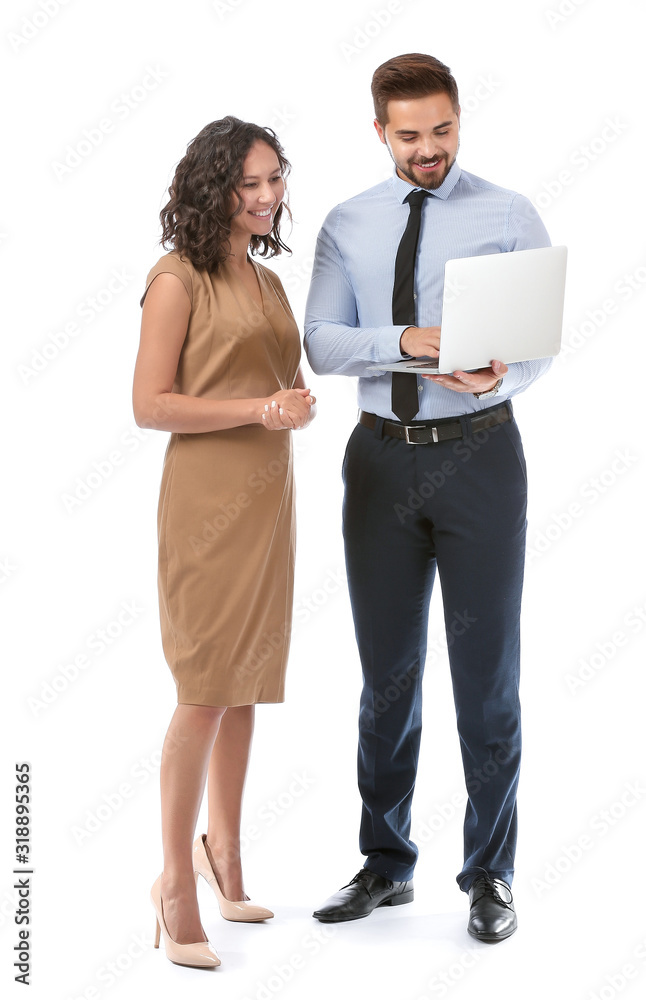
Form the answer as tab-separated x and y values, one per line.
184	767
227	773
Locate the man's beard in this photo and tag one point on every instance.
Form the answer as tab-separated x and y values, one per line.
432	181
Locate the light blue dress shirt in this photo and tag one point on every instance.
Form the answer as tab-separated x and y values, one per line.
348	320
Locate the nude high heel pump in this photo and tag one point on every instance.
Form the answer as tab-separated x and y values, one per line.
201	955
243	909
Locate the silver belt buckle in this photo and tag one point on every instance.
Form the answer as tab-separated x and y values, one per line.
434	435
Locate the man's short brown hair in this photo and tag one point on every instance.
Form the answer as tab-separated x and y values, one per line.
406	77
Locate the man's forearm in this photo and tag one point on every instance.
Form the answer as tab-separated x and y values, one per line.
338	349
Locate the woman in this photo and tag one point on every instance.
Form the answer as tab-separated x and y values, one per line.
218	366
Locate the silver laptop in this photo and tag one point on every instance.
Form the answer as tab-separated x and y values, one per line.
502	306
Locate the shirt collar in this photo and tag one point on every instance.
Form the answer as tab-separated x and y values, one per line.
403	188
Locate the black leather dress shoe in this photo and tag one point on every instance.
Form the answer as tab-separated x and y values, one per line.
361	896
492	917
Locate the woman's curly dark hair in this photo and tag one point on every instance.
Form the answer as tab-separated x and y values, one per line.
196	221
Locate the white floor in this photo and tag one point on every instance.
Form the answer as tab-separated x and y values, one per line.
575	942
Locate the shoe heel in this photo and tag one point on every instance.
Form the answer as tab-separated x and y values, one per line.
198	955
242	910
403	897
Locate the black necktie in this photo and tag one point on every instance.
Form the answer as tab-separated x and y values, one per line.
405	401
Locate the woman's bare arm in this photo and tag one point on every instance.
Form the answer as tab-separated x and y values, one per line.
164	323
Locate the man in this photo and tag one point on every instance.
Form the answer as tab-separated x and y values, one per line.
434	478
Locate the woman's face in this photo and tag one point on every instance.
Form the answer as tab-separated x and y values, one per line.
262	191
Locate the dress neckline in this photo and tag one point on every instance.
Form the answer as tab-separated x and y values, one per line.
260	306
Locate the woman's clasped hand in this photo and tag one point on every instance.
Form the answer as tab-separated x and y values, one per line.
289	409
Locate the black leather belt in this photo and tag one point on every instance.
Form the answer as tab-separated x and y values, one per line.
447	429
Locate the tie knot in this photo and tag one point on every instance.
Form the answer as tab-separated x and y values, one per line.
416	198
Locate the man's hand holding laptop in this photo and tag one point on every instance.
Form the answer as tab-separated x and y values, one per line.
424	341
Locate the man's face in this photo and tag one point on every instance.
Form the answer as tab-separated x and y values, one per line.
422	136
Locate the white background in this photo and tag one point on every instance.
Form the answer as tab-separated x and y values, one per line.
555	112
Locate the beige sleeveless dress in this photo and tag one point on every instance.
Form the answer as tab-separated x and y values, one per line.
226	507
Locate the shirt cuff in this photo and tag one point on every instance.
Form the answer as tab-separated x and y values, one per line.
388	344
511	380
